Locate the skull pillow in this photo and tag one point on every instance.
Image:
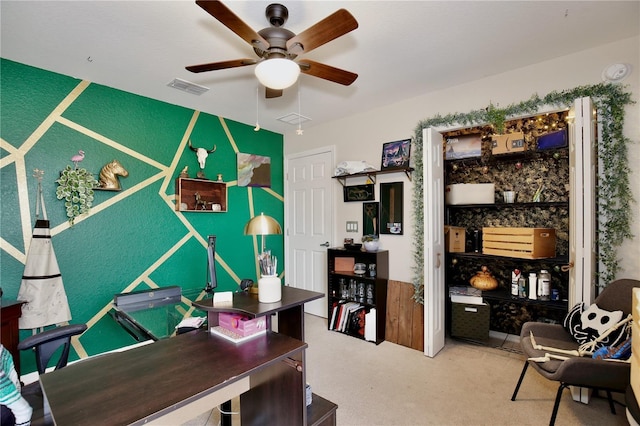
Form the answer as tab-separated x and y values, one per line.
586	325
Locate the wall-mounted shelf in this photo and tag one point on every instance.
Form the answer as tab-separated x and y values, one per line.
373	173
201	195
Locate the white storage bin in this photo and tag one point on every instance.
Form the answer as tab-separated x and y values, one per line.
470	193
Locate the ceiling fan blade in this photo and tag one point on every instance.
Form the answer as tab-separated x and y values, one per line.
229	19
333	26
213	66
272	93
327	72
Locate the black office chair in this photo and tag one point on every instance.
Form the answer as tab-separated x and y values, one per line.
46	345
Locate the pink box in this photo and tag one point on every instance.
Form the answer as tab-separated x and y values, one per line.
241	324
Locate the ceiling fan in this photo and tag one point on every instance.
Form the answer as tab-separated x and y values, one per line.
277	45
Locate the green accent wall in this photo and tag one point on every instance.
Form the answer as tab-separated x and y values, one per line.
132	239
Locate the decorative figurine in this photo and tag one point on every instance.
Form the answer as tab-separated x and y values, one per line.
202	155
78	158
109	176
185	172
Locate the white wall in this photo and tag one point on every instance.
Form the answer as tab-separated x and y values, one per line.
360	137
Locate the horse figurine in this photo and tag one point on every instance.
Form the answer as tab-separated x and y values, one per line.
109	175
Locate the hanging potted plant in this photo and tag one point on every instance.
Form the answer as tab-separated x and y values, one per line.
75	186
496	117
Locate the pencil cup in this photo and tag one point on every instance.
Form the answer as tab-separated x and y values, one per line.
269	289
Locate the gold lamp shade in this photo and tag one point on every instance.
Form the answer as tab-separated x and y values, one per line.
262	225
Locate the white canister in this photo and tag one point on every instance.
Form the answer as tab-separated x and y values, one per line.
269	289
533	291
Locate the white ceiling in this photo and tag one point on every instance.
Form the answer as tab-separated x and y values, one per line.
401	49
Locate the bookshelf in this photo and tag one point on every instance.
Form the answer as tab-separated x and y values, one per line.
357	303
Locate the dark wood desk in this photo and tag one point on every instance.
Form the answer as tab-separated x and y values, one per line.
10	313
290	309
193	372
169	376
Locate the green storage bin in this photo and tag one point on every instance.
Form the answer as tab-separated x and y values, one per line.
469	321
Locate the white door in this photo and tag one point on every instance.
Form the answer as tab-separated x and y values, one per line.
582	215
434	286
309	222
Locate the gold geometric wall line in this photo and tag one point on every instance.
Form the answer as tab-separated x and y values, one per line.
12	251
273	193
143	277
179	150
80	350
111	143
228	133
53	116
110	202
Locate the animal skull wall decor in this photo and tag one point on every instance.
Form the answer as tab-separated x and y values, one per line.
202	155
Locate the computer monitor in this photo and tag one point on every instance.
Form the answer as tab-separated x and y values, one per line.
212	281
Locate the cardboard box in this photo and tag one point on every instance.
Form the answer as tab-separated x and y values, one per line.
470	193
470	321
523	243
506	144
454	239
241	324
344	264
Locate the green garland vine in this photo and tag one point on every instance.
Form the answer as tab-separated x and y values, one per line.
614	192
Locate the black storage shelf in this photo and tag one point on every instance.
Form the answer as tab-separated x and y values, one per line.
562	260
334	298
504	296
561	154
542	204
522	172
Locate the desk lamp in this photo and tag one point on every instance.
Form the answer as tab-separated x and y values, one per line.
262	225
265	225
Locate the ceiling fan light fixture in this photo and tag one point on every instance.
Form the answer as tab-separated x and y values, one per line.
277	73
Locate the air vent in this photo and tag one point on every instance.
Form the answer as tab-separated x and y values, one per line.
293	119
187	86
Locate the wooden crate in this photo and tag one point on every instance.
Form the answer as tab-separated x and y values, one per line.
523	243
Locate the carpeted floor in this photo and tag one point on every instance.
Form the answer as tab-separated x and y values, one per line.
465	384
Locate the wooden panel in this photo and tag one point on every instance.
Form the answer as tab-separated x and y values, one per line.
405	317
417	334
393	311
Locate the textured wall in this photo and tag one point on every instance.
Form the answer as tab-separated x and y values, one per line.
132	239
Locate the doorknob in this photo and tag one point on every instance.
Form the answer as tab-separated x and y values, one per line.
325	244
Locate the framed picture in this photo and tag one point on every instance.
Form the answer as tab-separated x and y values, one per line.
370	218
254	170
359	192
396	154
391	201
463	146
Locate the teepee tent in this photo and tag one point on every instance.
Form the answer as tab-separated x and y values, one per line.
42	286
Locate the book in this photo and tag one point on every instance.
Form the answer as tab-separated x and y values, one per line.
370	325
466	294
235	337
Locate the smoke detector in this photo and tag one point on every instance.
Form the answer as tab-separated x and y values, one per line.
616	73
